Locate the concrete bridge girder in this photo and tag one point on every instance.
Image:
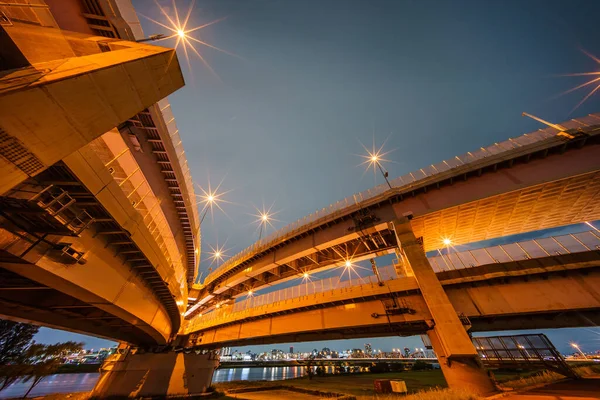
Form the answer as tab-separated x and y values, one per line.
103	281
530	290
83	92
86	165
527	197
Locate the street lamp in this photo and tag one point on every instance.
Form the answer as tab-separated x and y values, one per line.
375	158
520	346
152	38
576	346
210	199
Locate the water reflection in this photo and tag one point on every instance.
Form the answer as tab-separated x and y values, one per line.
61	383
258	374
72	383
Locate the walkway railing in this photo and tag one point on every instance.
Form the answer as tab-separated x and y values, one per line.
535	248
529	249
308	287
117	157
342	207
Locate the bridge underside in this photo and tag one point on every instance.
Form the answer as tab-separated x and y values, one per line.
550	320
551	292
23	299
536	191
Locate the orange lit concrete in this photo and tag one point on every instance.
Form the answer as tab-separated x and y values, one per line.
455	351
138	375
553	292
76	97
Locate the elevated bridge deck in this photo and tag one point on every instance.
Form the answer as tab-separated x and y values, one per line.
556	285
536	181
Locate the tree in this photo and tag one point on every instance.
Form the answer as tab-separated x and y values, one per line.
45	360
15	339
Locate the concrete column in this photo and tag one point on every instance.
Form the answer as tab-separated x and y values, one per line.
457	356
149	374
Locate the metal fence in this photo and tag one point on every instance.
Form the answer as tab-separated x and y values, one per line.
535	248
522	351
542	138
308	287
117	157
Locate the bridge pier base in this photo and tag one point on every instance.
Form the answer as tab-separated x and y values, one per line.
458	357
149	374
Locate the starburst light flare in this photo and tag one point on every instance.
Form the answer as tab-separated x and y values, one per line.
218	254
264	218
211	198
375	158
182	33
594	82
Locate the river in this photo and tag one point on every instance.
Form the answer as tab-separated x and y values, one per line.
71	383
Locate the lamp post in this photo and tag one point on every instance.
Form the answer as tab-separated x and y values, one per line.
375	160
576	346
152	38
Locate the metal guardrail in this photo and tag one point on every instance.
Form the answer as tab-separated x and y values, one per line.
308	287
169	118
522	351
535	248
403	182
116	155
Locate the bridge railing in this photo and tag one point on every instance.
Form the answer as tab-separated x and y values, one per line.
403	182
535	248
308	287
117	157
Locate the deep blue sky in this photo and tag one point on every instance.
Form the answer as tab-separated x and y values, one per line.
284	122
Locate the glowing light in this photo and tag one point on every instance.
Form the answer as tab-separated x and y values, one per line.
375	158
447	242
179	30
218	306
264	218
250	292
348	264
210	199
305	275
574	345
217	253
594	82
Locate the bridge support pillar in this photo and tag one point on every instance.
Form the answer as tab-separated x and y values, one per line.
149	374
456	353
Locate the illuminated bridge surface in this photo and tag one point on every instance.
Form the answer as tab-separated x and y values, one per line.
536	181
537	268
99	228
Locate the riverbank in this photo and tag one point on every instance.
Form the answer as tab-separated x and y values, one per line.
359	385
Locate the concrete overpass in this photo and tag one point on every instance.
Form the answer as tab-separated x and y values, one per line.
99	230
535	284
536	181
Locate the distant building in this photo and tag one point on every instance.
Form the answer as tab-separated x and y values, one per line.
291	349
368	349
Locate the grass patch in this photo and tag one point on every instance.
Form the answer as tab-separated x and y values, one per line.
353	384
546	376
428	394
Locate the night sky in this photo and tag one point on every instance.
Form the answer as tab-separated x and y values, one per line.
281	123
